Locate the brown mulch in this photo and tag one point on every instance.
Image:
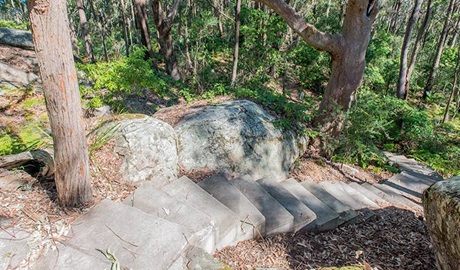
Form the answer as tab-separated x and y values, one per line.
320	170
392	239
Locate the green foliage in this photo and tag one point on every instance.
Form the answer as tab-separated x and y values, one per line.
293	116
114	81
13	25
313	67
26	138
385	122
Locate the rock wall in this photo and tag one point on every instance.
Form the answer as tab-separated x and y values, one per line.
441	203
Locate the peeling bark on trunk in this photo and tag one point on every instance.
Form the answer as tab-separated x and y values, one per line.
50	29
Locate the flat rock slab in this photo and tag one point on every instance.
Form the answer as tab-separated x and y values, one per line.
158	203
409	164
197	258
326	218
391	196
277	218
355	203
371	195
138	240
358	196
13	247
66	257
253	222
407	194
417	186
228	224
427	179
303	216
345	211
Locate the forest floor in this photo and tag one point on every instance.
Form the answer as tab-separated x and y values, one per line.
392	239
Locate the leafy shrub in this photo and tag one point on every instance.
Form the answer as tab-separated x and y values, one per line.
128	76
13	25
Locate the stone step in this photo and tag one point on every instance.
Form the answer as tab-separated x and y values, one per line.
13	245
391	196
65	257
401	191
326	218
344	211
426	179
303	216
369	194
253	222
277	218
409	164
411	185
138	240
228	224
197	258
158	203
358	196
355	203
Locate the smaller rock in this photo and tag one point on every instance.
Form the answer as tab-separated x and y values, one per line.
14	77
16	38
149	151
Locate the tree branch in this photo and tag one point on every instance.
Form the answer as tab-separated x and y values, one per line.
312	36
173	12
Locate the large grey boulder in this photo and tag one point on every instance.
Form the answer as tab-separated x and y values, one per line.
149	152
13	77
441	203
16	38
236	137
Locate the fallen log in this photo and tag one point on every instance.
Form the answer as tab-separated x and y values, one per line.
39	163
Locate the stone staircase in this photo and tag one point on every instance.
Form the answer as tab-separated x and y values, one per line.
180	225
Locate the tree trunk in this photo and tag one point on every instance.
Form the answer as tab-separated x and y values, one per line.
141	11
85	31
163	24
454	89
401	90
417	45
125	26
98	17
50	27
73	36
437	59
348	51
237	41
